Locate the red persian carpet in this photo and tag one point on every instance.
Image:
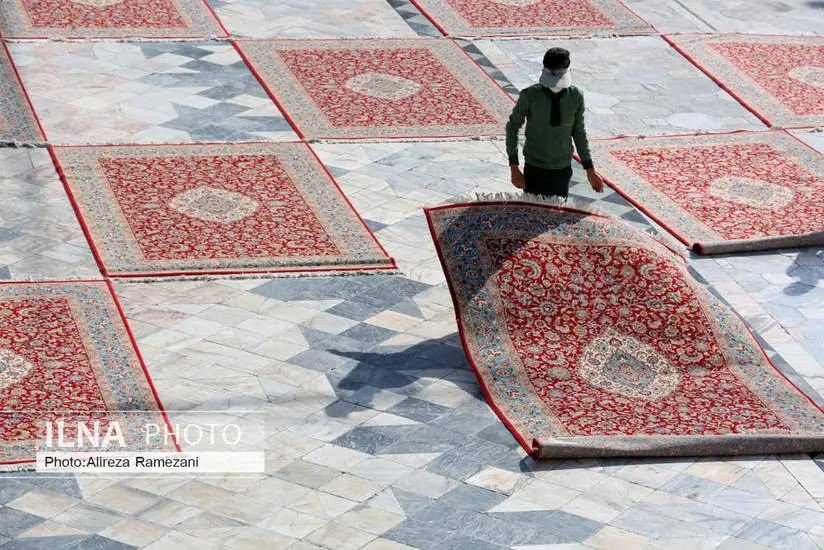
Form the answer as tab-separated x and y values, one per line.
17	120
108	19
779	78
194	209
529	18
67	355
379	88
591	339
725	192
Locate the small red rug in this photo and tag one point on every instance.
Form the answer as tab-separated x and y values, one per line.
591	339
779	78
108	19
724	192
241	208
531	18
67	356
377	88
17	120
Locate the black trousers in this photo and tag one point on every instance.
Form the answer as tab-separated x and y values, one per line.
541	181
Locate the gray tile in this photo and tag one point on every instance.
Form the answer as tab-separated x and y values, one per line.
425	439
467	459
463	422
373	225
5	274
692	487
323	361
419	409
368	334
469	497
458	542
369	439
773	535
7	234
408	307
47	543
354	310
498	531
307	474
11	488
14	522
644	522
553	526
411	503
61	484
447	517
318	288
424	536
498	433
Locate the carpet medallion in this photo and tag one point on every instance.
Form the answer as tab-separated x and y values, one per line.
532	17
395	88
779	78
66	355
17	121
189	209
591	339
108	19
725	192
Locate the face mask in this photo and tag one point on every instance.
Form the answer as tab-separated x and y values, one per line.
556	83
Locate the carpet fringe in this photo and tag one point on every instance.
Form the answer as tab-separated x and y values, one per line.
12	468
387	140
508	196
467	36
123	39
252	276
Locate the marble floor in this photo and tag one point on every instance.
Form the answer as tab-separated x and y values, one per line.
377	434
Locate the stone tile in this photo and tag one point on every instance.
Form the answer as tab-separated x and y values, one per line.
371	520
351	487
322	505
292	523
136	93
14	522
88	518
338	536
45	504
469	497
426	484
133	532
123	499
307	474
610	537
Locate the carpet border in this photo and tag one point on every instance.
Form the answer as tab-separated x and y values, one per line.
534	448
668	38
25	92
481	35
132	342
392	262
379	139
709	248
223	35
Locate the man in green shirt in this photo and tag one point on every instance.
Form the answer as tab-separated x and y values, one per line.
554	113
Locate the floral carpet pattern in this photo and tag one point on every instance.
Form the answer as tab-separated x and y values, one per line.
780	78
405	88
168	210
723	192
532	17
108	19
592	339
66	354
17	121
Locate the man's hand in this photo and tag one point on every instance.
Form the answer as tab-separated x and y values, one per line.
595	180
517	177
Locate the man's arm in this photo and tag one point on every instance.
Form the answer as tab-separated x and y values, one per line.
513	128
579	136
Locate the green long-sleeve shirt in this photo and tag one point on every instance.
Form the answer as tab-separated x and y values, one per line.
553	122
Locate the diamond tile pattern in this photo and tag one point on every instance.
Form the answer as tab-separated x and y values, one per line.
378	434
